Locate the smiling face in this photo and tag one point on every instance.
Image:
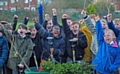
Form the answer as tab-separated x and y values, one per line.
75	28
109	36
22	30
49	25
33	31
56	31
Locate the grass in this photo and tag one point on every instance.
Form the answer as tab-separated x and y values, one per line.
29	24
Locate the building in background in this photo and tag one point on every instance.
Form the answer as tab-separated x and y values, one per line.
115	3
15	5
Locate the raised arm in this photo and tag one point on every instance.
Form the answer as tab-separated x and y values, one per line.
46	20
88	22
40	14
66	28
26	19
41	30
54	18
111	25
15	20
99	31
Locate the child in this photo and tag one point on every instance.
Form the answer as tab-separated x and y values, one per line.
37	40
78	38
107	58
47	24
87	33
21	48
112	27
57	47
117	23
3	51
6	70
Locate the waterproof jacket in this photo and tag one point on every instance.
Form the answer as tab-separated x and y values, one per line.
3	50
87	55
107	59
92	29
19	46
115	30
58	44
80	45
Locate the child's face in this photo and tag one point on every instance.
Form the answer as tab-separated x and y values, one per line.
108	37
21	31
75	29
56	31
104	25
49	25
69	22
33	32
117	25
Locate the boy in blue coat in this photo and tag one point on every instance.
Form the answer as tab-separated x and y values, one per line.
107	59
3	51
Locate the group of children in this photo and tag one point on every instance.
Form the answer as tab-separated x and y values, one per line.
46	39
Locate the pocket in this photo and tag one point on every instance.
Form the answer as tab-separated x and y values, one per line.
97	62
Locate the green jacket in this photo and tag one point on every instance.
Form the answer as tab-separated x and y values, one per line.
19	46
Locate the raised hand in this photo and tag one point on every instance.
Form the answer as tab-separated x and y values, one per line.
15	16
64	16
27	18
34	20
81	21
40	9
109	17
54	11
97	18
83	13
47	17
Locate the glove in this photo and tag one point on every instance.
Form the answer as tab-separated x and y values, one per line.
40	9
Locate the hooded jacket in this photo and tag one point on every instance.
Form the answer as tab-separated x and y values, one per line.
58	44
19	46
107	59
